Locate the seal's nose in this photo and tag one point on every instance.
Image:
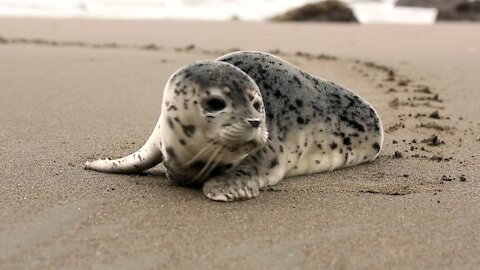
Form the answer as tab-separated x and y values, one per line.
254	122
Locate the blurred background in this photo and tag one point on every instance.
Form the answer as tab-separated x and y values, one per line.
361	11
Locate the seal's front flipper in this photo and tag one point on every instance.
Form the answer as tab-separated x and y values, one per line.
145	158
232	186
257	171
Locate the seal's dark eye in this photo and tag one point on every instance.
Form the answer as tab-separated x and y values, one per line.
257	105
214	104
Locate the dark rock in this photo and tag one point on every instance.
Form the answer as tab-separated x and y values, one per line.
324	11
447	178
434	115
398	155
423	89
433	141
463	11
403	83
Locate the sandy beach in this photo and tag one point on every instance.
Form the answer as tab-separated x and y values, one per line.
74	90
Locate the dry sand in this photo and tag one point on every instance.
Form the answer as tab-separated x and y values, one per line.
76	90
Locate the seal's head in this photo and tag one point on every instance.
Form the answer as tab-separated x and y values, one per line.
212	112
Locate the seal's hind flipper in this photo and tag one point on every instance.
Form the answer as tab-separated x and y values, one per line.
145	158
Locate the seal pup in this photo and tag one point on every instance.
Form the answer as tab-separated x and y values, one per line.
270	121
212	116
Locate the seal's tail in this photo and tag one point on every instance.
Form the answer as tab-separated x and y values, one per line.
145	158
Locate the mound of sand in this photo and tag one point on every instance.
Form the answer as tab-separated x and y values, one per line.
324	11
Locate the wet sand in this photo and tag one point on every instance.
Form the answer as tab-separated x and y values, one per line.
74	90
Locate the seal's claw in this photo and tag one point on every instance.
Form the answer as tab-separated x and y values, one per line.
221	198
227	189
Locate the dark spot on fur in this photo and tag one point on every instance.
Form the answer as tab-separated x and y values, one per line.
188	130
333	145
295	78
171	152
257	106
270	146
299	103
182	142
376	146
170	122
300	120
347	141
356	125
273	163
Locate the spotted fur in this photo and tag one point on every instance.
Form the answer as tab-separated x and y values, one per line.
277	121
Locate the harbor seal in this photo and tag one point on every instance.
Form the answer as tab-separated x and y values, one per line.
247	120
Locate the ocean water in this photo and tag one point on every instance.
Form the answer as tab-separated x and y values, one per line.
149	9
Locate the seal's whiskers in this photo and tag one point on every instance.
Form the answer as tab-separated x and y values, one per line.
213	164
202	151
211	161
